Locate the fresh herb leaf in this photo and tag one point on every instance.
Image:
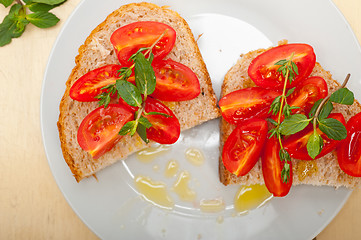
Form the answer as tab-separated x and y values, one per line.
42	19
294	67
144	75
142	132
333	128
293	124
13	24
314	108
49	2
129	128
158	113
145	122
326	110
314	144
342	96
105	97
284	155
40	7
281	62
6	3
285	173
275	105
129	93
290	91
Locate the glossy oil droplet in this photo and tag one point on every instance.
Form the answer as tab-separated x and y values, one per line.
251	197
212	205
155	192
182	189
149	154
171	168
306	169
194	156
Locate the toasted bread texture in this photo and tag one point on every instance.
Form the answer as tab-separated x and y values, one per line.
97	51
322	171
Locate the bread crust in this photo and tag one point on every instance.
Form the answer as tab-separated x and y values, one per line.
322	171
97	51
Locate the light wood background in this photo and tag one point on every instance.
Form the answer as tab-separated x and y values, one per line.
31	205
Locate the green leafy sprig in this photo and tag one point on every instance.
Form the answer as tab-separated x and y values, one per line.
333	128
24	12
318	116
279	106
135	95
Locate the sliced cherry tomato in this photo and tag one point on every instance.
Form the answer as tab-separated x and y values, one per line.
307	93
247	103
349	151
175	81
89	85
98	132
272	167
243	147
128	39
263	71
296	144
165	129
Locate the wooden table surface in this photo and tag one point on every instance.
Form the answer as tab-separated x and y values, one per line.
31	204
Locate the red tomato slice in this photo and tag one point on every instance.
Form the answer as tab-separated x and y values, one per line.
263	71
164	130
272	167
307	93
89	85
175	81
98	132
349	151
296	144
128	39
243	147
246	103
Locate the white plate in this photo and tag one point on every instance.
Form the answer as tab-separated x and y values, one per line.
113	209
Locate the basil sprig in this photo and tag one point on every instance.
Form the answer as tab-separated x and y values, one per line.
135	95
24	12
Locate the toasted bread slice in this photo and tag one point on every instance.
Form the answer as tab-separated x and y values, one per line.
97	51
322	171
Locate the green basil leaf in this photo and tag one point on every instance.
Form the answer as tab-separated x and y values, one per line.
159	113
284	155
129	93
290	91
293	124
333	128
142	132
326	110
285	173
275	105
294	67
281	62
49	2
314	144
145	122
6	3
272	121
42	19
144	75
129	127
342	96
5	30
13	24
40	7
314	108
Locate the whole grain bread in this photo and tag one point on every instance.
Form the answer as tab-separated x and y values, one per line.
322	171
97	51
